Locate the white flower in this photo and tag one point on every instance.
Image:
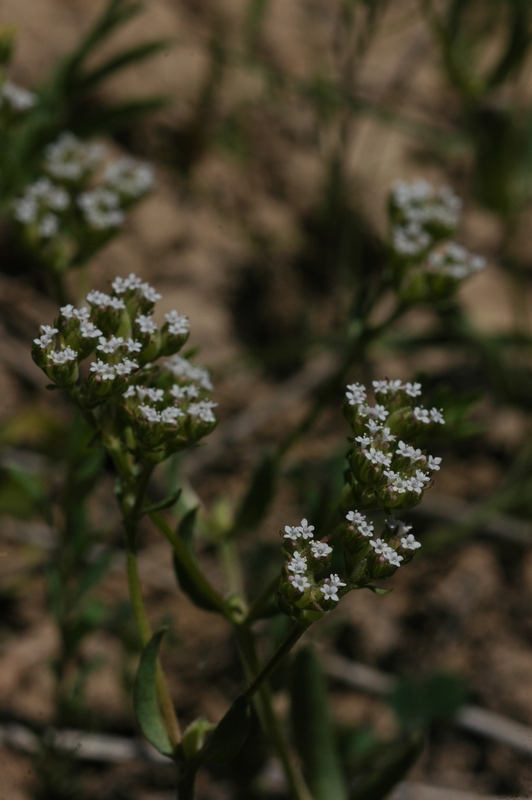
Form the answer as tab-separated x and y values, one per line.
182	368
133	346
150	414
320	549
155	395
378	412
409	542
421	414
171	414
298	564
422	476
377	457
329	592
103	300
436	416
373	427
69	159
145	323
415	485
386	436
180	392
203	410
149	293
355	517
379	545
393	557
18	98
434	463
381	387
88	330
63	356
366	529
334	580
48	226
129	177
300	582
69	311
105	371
177	324
356	393
412	389
363	440
110	345
292	533
306	529
101	208
126	367
47	336
121	285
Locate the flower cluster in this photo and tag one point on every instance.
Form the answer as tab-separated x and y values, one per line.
15	100
387	473
164	406
421	218
69	208
305	559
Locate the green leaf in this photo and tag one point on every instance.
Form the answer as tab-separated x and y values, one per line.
189	575
259	495
145	698
161	505
124	59
230	733
312	727
388	769
419	703
377	589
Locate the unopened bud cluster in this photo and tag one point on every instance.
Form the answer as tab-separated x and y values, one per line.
77	204
387	472
427	266
103	354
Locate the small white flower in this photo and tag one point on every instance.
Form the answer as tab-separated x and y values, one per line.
149	293
298	564
378	412
130	392
129	177
393	557
292	532
105	371
182	368
356	393
386	436
88	330
381	387
47	336
355	517
434	463
409	542
110	345
126	367
379	545
306	529
121	285
366	529
150	414
422	476
334	580
377	457
300	582
63	356
171	414
329	592
101	209
436	416
145	323
373	427
48	226
17	97
320	549
203	410
421	414
412	389
104	300
177	324
363	441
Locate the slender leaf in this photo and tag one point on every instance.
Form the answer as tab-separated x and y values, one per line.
124	59
161	505
313	734
145	697
230	733
392	766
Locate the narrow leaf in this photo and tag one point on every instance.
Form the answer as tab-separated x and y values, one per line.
229	735
313	734
145	697
161	505
377	589
124	59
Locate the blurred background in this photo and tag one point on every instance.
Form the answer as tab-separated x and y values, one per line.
276	129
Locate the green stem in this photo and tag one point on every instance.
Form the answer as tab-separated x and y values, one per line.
265	710
295	633
231	565
185	785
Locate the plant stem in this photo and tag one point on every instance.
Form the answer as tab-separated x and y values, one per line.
231	565
185	785
265	710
